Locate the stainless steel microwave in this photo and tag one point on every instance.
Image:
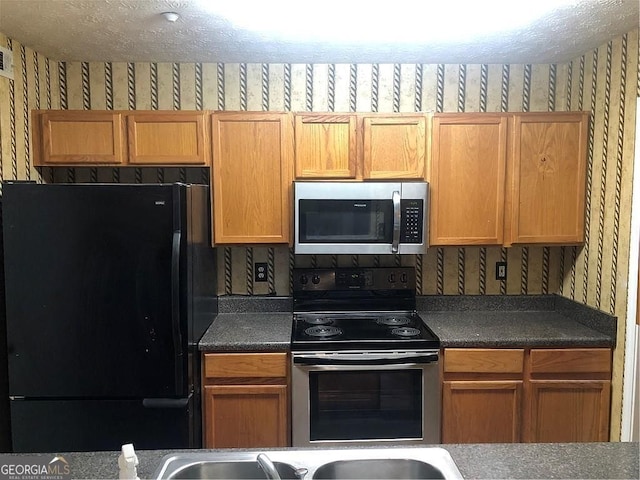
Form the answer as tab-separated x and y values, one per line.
361	217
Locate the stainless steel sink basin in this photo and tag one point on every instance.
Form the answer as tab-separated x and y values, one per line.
384	468
314	464
228	470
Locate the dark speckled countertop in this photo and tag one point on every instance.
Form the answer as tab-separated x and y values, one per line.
492	321
491	461
251	324
516	321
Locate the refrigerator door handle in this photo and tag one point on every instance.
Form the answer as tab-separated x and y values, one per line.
165	402
175	309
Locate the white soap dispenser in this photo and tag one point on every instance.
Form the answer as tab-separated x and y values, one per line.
128	461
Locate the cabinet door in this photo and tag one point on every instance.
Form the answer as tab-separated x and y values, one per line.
161	138
245	416
481	411
467	183
252	163
568	411
548	171
394	146
568	395
325	146
80	138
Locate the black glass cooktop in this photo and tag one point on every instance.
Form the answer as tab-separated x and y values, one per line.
361	330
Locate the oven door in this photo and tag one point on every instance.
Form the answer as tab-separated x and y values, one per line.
365	397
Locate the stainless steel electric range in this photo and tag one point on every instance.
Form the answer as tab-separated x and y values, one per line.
364	364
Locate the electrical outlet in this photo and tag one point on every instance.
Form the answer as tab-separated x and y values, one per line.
501	270
260	272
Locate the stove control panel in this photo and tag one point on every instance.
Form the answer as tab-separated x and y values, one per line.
332	279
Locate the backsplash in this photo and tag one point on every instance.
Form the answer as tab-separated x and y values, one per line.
605	81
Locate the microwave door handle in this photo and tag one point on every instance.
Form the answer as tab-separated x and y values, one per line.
396	222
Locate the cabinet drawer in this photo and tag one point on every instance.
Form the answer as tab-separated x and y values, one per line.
251	365
578	360
480	360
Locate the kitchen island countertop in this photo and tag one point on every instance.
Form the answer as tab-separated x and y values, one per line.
490	461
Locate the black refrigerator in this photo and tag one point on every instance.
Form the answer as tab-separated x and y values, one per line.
108	289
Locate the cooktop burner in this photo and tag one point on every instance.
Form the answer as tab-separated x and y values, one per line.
318	320
322	331
393	321
406	332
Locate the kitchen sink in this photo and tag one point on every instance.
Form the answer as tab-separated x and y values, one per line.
229	470
313	464
384	468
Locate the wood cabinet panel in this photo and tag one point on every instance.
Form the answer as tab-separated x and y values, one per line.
247	365
482	360
577	360
252	164
481	411
531	395
246	416
160	138
394	146
467	179
79	138
568	411
246	400
548	169
325	146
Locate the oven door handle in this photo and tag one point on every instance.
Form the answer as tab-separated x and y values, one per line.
422	359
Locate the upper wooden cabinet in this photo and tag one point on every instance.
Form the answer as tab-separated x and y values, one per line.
251	178
167	138
467	182
547	188
65	137
503	179
120	138
359	146
394	146
325	145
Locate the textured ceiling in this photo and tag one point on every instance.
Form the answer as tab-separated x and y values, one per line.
134	30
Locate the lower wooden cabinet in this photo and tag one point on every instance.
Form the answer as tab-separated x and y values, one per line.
536	395
482	395
245	400
568	398
481	411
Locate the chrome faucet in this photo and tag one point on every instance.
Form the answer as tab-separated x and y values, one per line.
268	467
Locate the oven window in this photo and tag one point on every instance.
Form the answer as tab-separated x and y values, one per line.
346	221
365	405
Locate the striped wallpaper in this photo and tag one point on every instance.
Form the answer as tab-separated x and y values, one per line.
605	81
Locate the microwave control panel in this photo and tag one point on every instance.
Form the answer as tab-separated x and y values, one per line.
411	221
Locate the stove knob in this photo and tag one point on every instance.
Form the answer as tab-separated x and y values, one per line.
304	279
403	278
315	279
392	278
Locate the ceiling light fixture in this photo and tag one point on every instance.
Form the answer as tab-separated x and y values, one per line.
170	16
360	21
